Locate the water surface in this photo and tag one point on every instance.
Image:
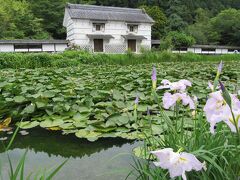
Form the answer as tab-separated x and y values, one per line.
108	158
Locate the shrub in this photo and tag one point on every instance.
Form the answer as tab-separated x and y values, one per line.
77	58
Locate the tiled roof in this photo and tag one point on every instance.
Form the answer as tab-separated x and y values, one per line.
100	36
215	46
31	41
137	37
78	11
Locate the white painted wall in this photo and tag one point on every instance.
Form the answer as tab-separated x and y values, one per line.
224	51
45	48
77	30
60	47
48	47
191	50
194	50
35	50
221	51
200	51
6	48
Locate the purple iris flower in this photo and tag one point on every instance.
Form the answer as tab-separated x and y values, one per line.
222	87
136	100
148	111
154	74
220	66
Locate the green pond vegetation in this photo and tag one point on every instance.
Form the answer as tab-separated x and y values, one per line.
98	101
94	101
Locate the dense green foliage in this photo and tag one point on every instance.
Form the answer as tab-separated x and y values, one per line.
160	20
18	21
209	22
226	24
177	40
222	29
78	58
202	29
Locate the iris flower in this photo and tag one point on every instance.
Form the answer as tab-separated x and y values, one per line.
210	86
136	102
154	78
217	110
220	67
170	100
175	86
177	163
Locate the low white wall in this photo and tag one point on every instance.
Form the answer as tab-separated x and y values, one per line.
221	51
61	47
194	50
198	50
6	48
21	50
45	48
48	47
191	50
35	50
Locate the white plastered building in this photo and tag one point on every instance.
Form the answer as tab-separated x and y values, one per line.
107	29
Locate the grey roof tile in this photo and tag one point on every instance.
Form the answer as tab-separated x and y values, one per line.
131	36
215	46
100	36
91	12
31	41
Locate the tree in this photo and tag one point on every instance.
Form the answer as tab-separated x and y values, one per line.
176	23
178	39
52	13
202	30
159	18
226	23
177	14
19	22
43	18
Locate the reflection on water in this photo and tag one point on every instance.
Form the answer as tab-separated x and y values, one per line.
104	159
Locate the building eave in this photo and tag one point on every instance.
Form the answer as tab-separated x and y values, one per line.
26	41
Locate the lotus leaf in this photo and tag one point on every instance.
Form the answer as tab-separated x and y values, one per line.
19	99
51	123
28	124
29	109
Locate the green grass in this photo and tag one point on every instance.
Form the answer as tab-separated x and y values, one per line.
77	58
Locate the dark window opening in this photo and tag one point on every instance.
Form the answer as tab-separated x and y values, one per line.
132	28
181	49
208	49
99	27
27	46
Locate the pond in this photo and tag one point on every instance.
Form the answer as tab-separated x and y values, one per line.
108	158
